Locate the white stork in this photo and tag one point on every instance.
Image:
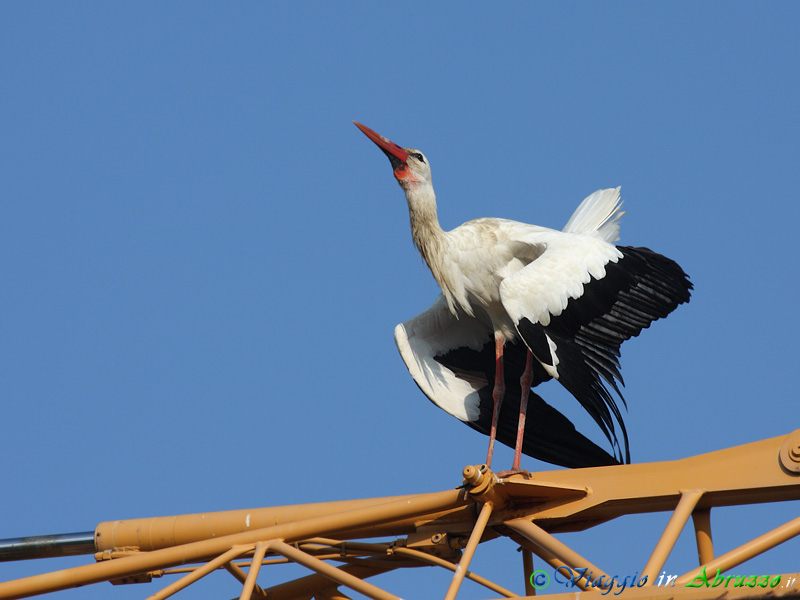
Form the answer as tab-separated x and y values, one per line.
526	303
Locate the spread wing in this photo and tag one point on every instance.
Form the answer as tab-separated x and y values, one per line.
578	301
452	361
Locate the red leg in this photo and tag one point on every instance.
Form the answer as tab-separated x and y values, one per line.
497	393
525	384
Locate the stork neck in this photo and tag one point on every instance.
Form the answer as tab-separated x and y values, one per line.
425	229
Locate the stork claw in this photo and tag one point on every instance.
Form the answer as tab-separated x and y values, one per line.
524	472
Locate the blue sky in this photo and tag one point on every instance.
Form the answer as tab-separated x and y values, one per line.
203	259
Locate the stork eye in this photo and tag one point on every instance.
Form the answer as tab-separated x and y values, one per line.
419	157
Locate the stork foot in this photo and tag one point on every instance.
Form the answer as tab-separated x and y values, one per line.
524	472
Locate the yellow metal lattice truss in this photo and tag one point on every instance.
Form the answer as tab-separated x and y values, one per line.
446	528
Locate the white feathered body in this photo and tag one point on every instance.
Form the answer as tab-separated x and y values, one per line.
503	269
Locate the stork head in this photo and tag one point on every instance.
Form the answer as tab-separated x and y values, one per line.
410	167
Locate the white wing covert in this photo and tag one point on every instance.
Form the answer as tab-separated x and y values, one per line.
436	332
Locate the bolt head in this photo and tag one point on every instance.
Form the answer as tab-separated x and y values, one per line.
794	452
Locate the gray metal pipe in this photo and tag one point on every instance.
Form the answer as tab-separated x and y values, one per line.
47	546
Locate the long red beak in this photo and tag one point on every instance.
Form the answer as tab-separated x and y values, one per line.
396	154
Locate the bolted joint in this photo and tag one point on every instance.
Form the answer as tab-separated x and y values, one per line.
790	453
794	453
473	474
478	479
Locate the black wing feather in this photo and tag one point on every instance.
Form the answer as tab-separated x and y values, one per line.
549	435
639	288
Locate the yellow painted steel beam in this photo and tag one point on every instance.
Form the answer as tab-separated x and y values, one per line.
547	557
748	474
237	572
702	533
552	546
527	569
205	549
317	585
207	568
666	542
331	572
154	533
252	573
469	551
747	551
440	562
